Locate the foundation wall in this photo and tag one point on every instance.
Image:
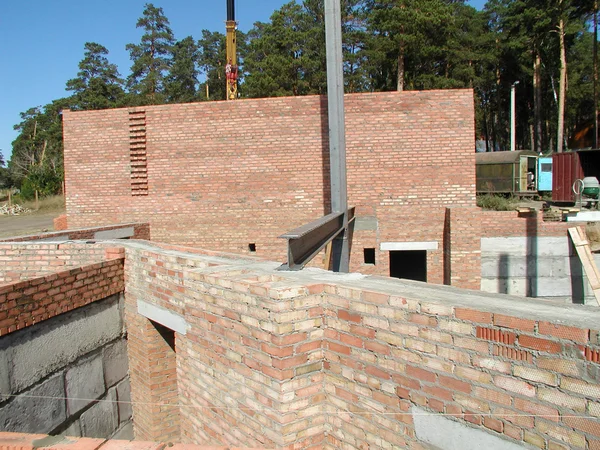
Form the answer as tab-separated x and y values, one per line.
311	359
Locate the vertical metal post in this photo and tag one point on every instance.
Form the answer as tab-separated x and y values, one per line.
513	102
337	131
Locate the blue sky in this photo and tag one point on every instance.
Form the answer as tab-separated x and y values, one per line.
41	42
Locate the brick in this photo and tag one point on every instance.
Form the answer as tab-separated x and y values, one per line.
589	426
564	332
561	399
516	323
517	386
493	424
492	395
537	409
580	387
472	315
534	439
542	345
564	434
539	376
454	384
421	374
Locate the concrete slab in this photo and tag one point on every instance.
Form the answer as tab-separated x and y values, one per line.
39	410
4	374
119	233
101	421
116	364
366	223
28	355
84	384
446	434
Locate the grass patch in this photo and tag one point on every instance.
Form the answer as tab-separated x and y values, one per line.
493	202
53	203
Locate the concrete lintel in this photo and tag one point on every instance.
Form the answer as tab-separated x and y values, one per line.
163	316
422	245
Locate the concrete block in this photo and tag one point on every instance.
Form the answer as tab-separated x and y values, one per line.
73	430
4	374
552	287
365	223
116	364
119	233
51	345
540	246
101	421
40	412
84	384
124	399
125	432
503	266
446	434
511	286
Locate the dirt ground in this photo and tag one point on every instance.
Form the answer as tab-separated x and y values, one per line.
27	223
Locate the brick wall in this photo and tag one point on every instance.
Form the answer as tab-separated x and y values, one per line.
222	175
513	223
137	230
294	360
41	295
23	261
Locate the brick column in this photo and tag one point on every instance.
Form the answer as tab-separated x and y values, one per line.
462	247
153	375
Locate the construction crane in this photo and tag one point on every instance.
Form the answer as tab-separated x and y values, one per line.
231	69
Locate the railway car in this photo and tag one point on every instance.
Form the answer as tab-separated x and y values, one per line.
514	173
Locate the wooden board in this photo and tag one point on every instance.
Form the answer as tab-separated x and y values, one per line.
587	260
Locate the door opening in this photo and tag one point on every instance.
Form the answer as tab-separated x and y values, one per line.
409	264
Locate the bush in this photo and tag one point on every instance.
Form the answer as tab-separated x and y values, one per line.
496	202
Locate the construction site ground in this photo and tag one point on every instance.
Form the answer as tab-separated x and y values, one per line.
30	223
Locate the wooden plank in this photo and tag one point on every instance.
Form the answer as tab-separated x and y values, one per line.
587	259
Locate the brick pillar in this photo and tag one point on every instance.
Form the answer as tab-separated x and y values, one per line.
153	375
462	247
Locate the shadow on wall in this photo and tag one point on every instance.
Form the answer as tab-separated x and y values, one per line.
503	273
532	255
326	165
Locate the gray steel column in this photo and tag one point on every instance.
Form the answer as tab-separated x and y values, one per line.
337	131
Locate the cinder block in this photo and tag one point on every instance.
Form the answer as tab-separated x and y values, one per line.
73	430
93	326
40	411
125	432
523	245
101	421
124	398
511	286
84	384
118	233
4	374
116	364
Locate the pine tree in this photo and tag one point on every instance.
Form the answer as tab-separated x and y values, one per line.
181	83
98	84
151	57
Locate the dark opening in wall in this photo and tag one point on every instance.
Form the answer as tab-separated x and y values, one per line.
167	334
369	254
409	264
252	247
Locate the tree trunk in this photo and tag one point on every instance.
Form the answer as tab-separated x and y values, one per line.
537	102
400	82
562	89
595	73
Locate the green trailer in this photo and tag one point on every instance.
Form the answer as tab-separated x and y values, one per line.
507	172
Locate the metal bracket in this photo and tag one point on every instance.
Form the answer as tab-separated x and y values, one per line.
306	241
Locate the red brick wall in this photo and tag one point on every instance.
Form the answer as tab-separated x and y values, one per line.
31	301
514	224
221	175
285	360
140	231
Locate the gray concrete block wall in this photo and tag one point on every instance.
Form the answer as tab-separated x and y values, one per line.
542	267
67	375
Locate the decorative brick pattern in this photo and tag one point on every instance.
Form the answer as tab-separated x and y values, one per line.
137	153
